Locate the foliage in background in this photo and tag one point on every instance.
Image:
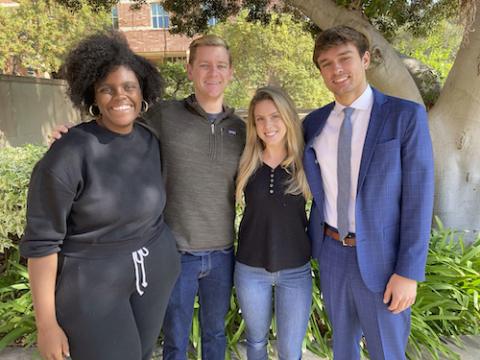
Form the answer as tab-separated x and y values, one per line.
191	17
275	54
16	313
16	165
417	17
38	33
177	85
436	49
287	61
17	320
447	304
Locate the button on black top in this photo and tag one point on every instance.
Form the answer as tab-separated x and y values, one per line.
272	232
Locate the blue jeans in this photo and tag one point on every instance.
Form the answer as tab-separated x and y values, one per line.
210	275
293	297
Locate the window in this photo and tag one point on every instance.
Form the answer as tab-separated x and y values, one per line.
160	18
115	17
175	59
212	21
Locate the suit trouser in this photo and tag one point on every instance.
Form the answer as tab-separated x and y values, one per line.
100	307
354	310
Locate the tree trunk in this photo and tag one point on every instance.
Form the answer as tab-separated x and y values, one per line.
455	128
387	72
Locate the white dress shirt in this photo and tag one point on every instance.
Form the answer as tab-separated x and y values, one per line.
325	146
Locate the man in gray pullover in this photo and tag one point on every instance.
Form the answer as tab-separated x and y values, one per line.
201	142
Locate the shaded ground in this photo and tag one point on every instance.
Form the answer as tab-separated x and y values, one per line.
471	351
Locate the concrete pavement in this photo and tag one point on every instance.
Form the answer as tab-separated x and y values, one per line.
470	351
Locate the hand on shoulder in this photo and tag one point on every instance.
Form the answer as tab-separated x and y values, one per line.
58	132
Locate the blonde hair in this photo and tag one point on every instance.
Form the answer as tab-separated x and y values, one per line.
207	40
251	158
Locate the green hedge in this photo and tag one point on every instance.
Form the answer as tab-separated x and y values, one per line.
447	303
16	164
16	312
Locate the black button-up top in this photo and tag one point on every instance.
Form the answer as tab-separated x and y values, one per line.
272	232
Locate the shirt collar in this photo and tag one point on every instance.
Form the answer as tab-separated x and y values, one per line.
363	102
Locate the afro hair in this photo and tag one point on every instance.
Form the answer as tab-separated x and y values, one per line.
94	57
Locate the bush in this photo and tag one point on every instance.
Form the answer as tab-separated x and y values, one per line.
447	302
16	165
17	320
177	85
16	312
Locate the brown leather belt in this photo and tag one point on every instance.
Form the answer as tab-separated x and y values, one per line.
349	240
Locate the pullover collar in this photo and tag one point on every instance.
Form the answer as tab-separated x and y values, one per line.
192	105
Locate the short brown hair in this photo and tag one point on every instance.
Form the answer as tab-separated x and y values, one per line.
339	35
207	40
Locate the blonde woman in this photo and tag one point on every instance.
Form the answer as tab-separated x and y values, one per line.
273	257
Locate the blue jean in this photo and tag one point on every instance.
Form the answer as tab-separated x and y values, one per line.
292	300
209	274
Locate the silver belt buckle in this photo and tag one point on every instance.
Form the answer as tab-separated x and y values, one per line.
343	241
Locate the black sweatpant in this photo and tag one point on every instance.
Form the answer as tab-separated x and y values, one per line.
101	310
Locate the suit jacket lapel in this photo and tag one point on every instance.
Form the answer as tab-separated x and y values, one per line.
311	167
322	120
377	121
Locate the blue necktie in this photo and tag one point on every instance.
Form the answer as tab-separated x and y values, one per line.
344	172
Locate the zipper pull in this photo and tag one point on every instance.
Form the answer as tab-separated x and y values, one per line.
213	128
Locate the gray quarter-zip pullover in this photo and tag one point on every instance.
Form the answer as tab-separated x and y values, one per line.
200	161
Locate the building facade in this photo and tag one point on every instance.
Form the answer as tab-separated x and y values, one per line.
146	30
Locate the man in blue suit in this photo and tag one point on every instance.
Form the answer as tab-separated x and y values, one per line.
368	159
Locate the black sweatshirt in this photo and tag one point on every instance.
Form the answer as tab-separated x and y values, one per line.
95	193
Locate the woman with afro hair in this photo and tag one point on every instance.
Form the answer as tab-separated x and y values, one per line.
101	260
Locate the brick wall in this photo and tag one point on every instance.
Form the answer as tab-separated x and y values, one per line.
157	40
154	44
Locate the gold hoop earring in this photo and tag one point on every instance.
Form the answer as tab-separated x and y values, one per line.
90	110
146	106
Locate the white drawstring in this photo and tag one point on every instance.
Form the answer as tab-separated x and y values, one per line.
138	259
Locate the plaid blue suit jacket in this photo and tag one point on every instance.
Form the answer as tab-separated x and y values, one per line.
393	210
